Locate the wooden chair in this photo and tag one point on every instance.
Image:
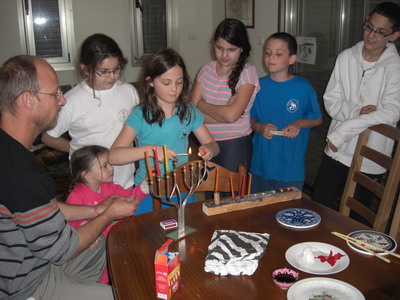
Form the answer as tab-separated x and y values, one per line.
386	193
208	183
395	225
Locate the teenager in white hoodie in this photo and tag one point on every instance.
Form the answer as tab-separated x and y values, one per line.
364	90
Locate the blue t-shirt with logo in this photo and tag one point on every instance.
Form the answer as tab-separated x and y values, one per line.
282	103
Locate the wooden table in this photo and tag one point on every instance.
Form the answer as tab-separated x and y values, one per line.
133	242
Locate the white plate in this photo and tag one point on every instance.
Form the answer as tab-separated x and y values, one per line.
318	287
294	255
376	238
298	218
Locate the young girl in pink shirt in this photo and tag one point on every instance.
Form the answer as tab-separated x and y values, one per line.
92	181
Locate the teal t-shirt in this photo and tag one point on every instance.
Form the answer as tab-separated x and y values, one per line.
172	133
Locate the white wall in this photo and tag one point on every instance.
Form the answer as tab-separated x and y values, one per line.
193	18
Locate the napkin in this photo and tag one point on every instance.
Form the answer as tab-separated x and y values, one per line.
235	252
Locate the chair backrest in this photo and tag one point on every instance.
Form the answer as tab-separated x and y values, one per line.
196	167
395	225
386	193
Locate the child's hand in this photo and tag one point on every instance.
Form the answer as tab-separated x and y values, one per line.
205	153
171	153
367	109
331	146
292	130
94	245
265	128
232	100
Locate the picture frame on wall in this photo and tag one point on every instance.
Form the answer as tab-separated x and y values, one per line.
242	10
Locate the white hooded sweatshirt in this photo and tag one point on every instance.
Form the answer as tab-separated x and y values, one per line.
354	84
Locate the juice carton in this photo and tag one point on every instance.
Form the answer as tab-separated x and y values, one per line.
167	267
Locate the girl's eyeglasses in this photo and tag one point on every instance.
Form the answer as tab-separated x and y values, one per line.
107	73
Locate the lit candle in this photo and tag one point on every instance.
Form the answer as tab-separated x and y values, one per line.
231	184
166	159
149	174
249	185
216	181
155	154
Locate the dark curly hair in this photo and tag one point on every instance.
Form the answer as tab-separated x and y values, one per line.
234	32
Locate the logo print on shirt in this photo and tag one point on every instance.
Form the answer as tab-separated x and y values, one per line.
123	115
292	105
183	134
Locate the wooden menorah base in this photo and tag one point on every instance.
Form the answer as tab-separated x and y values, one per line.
269	197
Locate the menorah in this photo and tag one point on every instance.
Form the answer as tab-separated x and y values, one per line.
196	173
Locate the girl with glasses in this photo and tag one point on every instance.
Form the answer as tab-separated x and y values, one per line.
97	107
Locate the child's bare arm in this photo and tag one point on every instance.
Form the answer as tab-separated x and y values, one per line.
122	153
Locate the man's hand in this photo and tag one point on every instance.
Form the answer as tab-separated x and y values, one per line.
122	207
100	208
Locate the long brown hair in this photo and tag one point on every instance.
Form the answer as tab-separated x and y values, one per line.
234	32
157	64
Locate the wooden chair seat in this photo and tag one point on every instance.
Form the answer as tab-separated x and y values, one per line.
385	192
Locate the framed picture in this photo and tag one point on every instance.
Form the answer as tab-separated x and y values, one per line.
242	10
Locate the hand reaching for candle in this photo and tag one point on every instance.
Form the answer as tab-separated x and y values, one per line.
165	151
209	150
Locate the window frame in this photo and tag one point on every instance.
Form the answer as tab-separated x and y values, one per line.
64	62
137	47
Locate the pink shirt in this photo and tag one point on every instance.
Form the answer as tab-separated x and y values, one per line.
215	90
82	195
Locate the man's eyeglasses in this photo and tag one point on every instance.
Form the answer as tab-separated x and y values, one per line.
367	26
58	95
107	73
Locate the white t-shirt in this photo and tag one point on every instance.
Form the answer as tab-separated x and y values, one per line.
97	120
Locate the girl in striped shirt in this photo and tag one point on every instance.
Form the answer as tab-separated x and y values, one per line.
224	92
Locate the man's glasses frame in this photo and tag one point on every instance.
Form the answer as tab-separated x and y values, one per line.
58	95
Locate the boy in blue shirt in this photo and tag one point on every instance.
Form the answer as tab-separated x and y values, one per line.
285	109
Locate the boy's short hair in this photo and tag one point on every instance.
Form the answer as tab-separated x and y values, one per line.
389	10
286	37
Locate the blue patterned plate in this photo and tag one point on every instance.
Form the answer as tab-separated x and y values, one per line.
298	218
376	238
